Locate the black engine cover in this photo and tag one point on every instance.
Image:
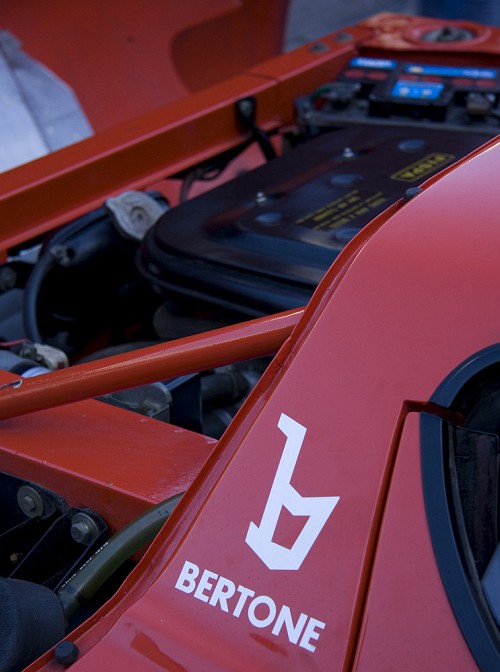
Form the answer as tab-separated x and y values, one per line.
263	241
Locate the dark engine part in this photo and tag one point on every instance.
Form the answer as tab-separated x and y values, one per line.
32	621
202	402
42	540
43	543
382	91
85	285
57	566
262	242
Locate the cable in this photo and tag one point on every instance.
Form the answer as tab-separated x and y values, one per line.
46	262
95	572
30	300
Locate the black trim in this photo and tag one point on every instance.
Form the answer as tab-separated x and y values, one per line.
468	604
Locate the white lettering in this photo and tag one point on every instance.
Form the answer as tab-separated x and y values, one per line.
283	494
205	584
252	616
222	592
310	633
186	581
245	594
285	618
261	610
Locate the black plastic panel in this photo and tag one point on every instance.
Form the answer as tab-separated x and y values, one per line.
265	239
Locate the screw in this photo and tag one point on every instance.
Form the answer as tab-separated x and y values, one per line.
347	153
343	37
63	254
411	193
139	216
246	107
66	653
8	278
80	533
83	528
319	48
30	501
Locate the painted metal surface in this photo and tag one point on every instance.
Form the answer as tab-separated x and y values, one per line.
404	335
147	149
407	603
409	299
127	62
102	457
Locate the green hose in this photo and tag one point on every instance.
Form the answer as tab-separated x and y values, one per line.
105	561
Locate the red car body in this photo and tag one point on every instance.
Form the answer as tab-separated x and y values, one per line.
303	541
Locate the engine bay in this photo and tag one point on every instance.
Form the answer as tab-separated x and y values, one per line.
140	270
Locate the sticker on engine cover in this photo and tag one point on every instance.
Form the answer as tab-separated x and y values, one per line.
376	63
428	164
343	210
451	71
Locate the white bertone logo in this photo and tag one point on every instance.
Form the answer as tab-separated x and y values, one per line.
283	494
261	611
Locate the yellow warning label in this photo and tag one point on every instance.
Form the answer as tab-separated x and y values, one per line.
342	210
423	167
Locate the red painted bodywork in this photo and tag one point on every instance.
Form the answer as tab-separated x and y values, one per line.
353	411
142	57
412	296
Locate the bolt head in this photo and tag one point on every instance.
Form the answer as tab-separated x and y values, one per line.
30	501
343	37
246	107
411	193
80	533
83	528
347	153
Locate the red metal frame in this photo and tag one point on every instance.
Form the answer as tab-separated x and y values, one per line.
256	338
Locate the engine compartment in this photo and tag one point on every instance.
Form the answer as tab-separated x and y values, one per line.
141	270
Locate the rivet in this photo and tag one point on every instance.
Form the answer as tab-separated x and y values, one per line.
411	193
66	653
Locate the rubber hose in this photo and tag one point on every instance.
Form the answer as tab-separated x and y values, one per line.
30	300
95	572
44	264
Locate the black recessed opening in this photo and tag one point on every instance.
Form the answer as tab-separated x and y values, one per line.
461	471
